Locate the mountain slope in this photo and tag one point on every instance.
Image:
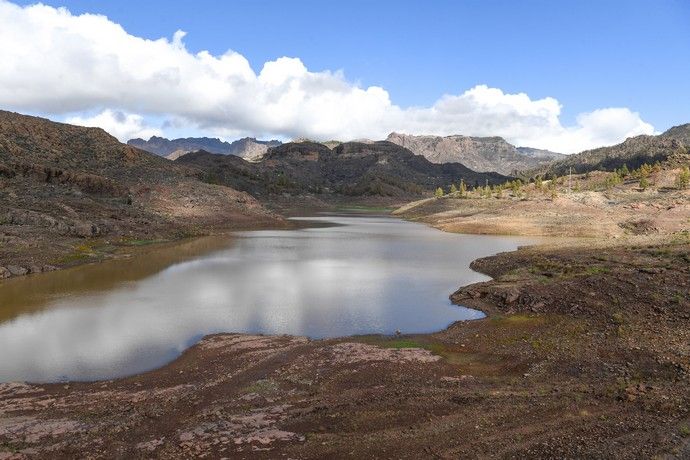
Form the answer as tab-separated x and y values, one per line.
681	133
62	183
248	147
482	154
633	152
352	168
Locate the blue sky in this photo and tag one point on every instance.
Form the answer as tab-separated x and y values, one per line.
585	54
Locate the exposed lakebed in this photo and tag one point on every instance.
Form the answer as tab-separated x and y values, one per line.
362	275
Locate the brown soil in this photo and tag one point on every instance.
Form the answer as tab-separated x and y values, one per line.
589	210
585	353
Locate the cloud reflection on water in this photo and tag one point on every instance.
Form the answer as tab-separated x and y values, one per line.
371	275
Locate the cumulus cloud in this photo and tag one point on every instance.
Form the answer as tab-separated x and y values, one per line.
58	63
124	126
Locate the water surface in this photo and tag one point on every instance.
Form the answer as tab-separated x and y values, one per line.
367	274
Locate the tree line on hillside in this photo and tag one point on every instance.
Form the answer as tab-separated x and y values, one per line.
548	185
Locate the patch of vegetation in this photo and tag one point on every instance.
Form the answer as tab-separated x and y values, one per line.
399	344
516	319
262	386
684	431
80	253
141	242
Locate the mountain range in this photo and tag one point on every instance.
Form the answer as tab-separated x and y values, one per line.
481	154
61	184
248	148
352	168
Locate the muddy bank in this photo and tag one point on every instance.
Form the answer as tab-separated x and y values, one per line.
585	353
29	251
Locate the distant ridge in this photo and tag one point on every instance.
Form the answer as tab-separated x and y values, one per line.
349	169
482	154
248	148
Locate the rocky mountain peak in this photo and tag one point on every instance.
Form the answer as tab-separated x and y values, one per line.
483	154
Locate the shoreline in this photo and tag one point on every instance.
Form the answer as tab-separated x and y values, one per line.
552	370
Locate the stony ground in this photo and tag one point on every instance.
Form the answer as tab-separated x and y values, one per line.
585	353
588	210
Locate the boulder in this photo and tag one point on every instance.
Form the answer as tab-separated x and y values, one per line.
16	270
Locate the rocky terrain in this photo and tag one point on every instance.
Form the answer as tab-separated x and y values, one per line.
584	354
70	194
672	145
585	205
484	154
248	148
349	169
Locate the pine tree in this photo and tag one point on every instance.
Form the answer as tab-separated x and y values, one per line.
538	183
683	179
644	183
463	188
453	189
439	192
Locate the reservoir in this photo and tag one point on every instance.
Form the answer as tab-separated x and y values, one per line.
346	274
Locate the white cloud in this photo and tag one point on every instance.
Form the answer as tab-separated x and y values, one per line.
58	63
124	126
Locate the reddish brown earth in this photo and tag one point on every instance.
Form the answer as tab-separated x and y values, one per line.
585	353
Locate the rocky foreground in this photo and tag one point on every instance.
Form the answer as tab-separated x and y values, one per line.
585	353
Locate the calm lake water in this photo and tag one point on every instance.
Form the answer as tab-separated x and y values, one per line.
364	275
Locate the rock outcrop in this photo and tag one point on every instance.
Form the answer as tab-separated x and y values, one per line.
482	154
